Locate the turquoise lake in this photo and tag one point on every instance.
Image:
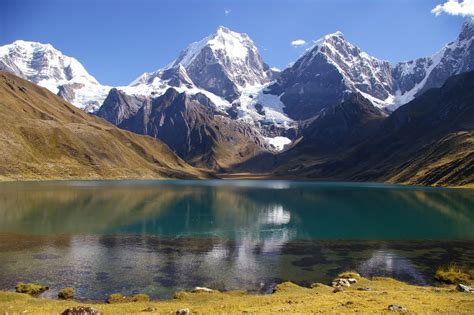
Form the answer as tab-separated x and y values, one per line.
157	237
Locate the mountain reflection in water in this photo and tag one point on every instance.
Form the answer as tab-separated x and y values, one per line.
159	237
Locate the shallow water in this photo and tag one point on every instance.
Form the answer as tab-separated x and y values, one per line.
157	237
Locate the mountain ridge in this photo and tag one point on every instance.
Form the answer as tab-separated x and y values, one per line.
44	137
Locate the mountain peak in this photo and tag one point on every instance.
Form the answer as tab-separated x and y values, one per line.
337	34
467	30
223	29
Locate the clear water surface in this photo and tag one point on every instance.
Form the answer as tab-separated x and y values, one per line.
157	237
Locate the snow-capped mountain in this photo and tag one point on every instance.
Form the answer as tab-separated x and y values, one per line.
325	74
48	67
223	63
416	76
333	68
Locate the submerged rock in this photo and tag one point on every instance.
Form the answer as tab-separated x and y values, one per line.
81	310
395	307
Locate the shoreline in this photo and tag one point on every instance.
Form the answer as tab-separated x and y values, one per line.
366	295
224	177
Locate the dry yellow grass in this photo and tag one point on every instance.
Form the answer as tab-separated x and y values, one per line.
288	298
44	137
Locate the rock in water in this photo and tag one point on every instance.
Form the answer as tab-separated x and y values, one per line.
81	310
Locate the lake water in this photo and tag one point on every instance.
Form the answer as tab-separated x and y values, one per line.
157	237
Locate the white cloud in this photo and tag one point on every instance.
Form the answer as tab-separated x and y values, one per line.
455	7
227	11
298	42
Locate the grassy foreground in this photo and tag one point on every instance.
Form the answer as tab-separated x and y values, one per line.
288	298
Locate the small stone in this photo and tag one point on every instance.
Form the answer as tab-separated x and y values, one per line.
150	309
202	289
182	311
352	280
81	310
464	288
364	289
395	307
338	289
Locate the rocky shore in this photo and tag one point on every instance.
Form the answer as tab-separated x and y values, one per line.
348	293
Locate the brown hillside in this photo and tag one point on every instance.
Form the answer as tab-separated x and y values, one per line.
44	137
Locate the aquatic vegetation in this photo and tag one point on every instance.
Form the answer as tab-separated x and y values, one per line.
66	294
452	274
120	298
348	275
30	288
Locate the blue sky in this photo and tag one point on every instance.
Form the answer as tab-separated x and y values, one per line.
118	40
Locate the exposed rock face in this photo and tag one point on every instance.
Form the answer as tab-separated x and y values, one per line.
119	106
193	129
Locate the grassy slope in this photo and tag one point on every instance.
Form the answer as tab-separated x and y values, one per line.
44	137
288	298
